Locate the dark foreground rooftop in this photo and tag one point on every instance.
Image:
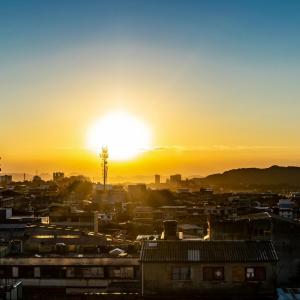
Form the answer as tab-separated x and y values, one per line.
208	251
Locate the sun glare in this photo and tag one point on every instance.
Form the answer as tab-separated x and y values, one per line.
125	136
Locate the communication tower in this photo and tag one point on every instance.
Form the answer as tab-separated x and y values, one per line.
104	164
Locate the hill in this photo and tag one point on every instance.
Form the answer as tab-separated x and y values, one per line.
255	177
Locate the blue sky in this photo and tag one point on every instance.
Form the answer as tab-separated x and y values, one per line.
254	30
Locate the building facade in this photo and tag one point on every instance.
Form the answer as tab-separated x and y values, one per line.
55	277
5	179
216	269
283	232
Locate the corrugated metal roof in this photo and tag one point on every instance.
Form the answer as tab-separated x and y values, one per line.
208	251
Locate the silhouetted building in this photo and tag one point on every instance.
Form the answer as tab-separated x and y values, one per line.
208	269
137	192
157	179
66	276
37	179
175	179
5	179
283	232
58	176
286	208
143	214
66	216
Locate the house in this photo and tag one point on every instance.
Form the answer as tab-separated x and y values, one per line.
64	215
143	214
286	208
65	276
216	269
283	232
256	226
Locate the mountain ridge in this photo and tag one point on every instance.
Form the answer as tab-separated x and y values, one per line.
274	175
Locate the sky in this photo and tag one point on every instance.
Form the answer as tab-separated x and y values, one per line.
216	81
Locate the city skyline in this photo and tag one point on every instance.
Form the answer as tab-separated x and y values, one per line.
215	82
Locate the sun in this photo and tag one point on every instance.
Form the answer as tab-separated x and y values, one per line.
125	135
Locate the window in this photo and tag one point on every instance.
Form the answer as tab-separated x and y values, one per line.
70	272
58	219
238	273
213	273
53	272
85	219
89	272
43	236
255	273
121	272
15	271
250	274
5	271
259	232
181	273
26	271
127	272
68	236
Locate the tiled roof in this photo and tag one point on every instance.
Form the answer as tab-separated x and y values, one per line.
208	251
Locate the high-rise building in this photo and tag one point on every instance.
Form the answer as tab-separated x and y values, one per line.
137	192
57	176
175	179
157	179
5	179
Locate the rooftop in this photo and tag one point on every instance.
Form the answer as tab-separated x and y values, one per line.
254	216
208	251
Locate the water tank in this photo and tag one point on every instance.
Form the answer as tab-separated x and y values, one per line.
170	229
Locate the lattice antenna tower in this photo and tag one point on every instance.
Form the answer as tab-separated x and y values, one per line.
104	165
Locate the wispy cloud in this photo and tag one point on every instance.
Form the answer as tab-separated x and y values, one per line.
220	148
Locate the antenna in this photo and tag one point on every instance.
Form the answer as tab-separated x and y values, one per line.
104	164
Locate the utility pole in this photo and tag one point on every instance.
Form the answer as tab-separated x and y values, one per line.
104	165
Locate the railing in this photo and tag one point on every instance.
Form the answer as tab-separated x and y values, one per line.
7	284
